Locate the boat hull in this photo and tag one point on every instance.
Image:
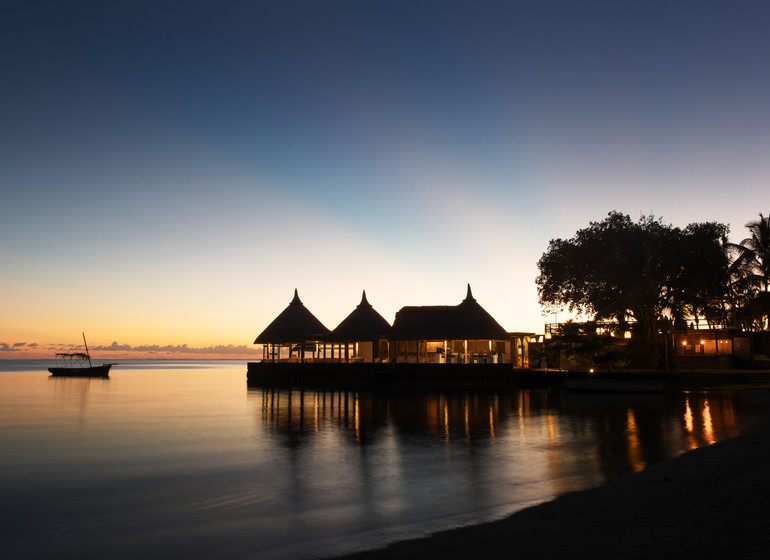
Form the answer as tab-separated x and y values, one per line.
92	371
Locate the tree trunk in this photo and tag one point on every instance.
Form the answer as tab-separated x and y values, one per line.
644	341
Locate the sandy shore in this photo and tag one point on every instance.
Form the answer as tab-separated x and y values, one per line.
712	502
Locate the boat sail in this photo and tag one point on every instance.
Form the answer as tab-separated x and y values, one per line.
78	364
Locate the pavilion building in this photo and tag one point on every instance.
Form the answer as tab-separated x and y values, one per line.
464	333
453	334
293	334
361	337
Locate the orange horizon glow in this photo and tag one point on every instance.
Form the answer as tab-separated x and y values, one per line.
23	351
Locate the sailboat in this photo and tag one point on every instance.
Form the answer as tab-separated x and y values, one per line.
78	364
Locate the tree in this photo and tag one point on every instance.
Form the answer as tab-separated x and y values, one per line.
699	284
647	271
750	275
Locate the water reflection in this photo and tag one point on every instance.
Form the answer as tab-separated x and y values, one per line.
707	419
581	440
71	396
635	460
161	450
448	417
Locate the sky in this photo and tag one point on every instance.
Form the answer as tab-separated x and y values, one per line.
170	171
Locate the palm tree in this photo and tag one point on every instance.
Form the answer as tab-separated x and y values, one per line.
750	273
758	247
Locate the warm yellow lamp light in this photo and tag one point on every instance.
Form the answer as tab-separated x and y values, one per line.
627	334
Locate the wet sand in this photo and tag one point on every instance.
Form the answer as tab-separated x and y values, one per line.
712	502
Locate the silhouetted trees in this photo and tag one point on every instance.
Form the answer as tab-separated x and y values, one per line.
647	271
749	275
699	286
657	276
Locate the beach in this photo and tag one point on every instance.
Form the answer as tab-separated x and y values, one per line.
711	502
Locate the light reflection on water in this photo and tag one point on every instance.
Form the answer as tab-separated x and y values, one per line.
181	458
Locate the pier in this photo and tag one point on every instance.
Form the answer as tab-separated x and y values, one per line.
398	375
444	377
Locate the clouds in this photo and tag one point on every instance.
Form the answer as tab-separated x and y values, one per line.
34	350
17	346
180	349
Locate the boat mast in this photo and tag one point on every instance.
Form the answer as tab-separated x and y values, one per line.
86	345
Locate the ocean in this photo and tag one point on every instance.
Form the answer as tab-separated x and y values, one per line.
181	458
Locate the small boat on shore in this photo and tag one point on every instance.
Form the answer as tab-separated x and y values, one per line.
78	364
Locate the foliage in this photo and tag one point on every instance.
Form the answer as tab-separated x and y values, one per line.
749	276
646	270
597	351
698	287
550	354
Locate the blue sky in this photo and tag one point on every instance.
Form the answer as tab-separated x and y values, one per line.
171	171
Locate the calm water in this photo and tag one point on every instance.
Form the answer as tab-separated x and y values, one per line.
181	458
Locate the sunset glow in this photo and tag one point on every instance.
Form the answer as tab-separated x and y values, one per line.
169	181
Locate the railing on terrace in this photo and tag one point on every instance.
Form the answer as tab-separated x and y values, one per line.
587	328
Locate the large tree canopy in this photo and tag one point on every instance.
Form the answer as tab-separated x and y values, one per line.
645	271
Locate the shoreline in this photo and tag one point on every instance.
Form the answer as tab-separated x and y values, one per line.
710	502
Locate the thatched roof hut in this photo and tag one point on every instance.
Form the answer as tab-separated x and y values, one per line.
295	324
363	324
466	321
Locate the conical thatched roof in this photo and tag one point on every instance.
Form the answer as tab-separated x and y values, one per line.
295	324
362	325
467	321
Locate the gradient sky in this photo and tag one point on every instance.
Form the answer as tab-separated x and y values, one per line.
171	171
